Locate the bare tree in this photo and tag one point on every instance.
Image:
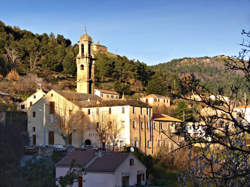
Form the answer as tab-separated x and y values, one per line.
12	56
108	129
223	159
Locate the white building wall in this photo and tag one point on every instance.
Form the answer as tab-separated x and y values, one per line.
101	115
31	100
99	180
126	170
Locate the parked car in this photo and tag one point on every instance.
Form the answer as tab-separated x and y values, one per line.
58	147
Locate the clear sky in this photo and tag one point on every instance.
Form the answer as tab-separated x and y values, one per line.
152	31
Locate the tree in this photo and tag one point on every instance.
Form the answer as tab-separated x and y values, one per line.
184	112
12	150
72	175
108	129
223	159
38	172
156	86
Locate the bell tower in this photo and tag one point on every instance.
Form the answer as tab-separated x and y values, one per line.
85	64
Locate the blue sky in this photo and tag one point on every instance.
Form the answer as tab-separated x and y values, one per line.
152	31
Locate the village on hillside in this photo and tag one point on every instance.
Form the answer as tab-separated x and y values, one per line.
104	138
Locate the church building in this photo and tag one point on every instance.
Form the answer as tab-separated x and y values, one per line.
82	117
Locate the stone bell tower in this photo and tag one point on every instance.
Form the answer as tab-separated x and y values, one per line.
85	63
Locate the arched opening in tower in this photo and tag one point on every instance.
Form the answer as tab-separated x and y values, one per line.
82	47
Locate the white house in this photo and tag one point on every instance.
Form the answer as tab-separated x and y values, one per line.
106	94
156	100
103	169
31	100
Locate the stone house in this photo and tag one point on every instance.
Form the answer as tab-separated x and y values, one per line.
103	169
166	134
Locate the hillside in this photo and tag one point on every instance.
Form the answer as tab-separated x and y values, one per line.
49	61
211	71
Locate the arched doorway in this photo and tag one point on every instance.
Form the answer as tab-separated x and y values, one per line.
87	142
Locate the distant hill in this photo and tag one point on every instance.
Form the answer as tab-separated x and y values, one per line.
211	71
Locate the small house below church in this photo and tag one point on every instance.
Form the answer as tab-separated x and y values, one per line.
103	169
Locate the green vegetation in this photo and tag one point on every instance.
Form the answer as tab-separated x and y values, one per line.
210	71
127	76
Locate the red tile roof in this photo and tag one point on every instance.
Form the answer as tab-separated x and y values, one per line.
108	91
82	157
108	162
164	117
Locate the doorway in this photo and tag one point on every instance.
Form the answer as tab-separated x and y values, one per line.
87	142
51	138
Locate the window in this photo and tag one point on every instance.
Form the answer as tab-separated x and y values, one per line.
70	112
136	143
51	95
34	114
141	125
155	100
34	129
30	103
88	111
51	118
154	125
82	67
134	124
160	125
112	96
123	110
22	106
159	143
141	110
133	110
131	162
97	125
34	96
149	144
110	110
51	107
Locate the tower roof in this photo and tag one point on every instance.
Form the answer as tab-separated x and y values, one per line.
85	37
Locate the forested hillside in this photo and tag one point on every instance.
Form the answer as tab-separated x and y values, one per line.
53	58
28	60
211	71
